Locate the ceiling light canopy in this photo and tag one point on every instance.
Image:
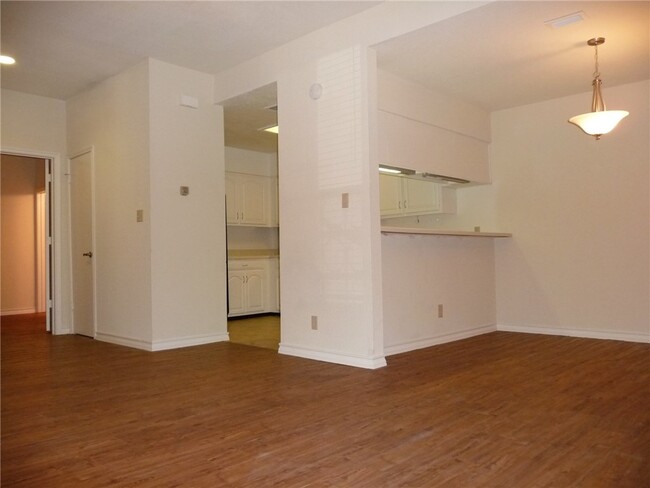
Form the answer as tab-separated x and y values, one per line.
6	59
600	120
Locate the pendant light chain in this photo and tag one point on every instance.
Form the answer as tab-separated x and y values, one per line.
597	72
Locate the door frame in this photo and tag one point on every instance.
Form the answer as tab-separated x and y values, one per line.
87	150
54	267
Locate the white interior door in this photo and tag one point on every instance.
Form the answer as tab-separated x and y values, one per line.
81	226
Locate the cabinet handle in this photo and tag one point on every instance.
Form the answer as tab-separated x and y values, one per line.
405	204
399	204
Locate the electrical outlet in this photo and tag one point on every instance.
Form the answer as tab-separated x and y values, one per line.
440	311
345	200
314	322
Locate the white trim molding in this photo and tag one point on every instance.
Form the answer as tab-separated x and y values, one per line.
332	357
188	341
439	339
17	311
585	333
124	341
161	345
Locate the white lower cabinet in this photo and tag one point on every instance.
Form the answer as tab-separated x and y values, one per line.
247	287
252	286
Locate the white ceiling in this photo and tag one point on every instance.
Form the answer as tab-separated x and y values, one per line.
503	55
62	48
498	56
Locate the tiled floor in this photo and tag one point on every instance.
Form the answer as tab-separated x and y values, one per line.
259	331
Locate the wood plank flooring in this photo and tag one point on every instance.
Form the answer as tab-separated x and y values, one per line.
498	410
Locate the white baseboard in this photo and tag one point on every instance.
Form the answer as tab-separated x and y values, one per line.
585	333
436	340
161	345
189	341
124	341
332	357
17	311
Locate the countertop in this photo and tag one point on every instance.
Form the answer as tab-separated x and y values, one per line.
441	232
253	253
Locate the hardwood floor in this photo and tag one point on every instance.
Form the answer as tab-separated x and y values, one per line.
498	410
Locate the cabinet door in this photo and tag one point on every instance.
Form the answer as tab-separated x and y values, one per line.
232	206
390	195
236	292
253	201
421	197
255	290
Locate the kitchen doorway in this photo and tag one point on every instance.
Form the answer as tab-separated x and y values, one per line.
252	217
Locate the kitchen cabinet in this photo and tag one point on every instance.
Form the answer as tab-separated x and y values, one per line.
408	143
251	200
247	287
400	196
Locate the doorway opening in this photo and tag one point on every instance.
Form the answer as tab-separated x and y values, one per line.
26	266
252	217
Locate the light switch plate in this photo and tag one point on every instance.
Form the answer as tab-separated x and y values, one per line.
345	200
185	190
139	215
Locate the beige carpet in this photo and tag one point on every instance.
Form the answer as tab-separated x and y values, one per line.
262	331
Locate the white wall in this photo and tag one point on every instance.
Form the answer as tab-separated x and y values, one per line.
160	282
331	257
18	204
578	263
37	125
330	266
113	117
188	247
421	272
429	132
33	122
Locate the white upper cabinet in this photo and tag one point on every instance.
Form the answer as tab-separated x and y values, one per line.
426	148
251	200
399	196
431	132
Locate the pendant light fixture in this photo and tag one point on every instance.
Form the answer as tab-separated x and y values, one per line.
600	120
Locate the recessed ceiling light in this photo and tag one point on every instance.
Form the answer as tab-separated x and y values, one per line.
565	20
6	59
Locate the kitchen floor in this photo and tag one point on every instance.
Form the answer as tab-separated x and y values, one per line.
258	331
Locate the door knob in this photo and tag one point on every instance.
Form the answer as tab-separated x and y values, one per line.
89	254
